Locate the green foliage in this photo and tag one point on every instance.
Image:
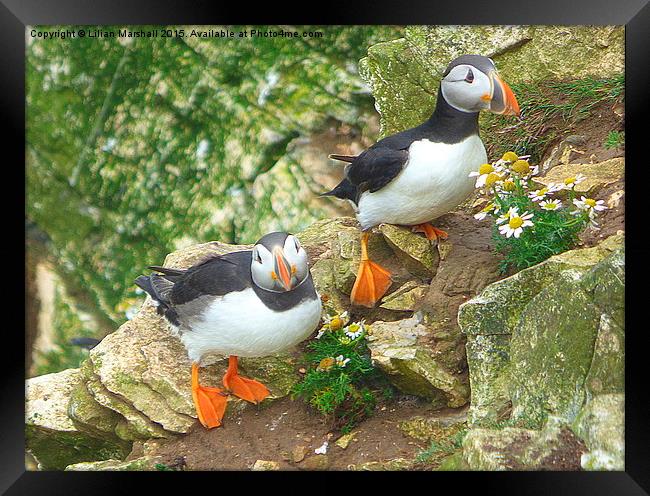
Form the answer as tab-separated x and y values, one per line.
528	232
135	149
439	448
547	109
615	139
342	382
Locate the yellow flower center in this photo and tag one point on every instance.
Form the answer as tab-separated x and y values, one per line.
542	192
509	185
569	180
336	323
489	207
515	222
509	156
550	206
520	166
485	169
491	179
590	202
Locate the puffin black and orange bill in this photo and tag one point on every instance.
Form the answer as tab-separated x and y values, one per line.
503	99
282	269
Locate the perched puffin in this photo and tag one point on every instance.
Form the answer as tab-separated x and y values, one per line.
417	175
250	303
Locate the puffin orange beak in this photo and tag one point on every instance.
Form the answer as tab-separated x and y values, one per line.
282	269
503	99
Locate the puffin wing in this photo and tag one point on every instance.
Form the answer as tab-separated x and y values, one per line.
216	276
376	167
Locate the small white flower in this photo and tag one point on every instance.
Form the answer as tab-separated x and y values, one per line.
489	208
590	205
487	175
551	204
570	182
335	322
323	449
516	224
320	333
539	194
512	211
354	331
341	361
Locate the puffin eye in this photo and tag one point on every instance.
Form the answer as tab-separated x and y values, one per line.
257	257
297	243
470	76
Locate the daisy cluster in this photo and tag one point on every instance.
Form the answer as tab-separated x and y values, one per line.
341	381
512	176
339	327
534	221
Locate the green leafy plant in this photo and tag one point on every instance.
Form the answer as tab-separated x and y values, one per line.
615	139
342	383
531	220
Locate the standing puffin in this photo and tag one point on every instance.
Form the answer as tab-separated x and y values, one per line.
417	175
250	303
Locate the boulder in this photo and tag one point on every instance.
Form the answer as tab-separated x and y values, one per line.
546	343
601	424
404	74
51	436
398	349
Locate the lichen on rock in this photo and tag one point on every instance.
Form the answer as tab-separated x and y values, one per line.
545	343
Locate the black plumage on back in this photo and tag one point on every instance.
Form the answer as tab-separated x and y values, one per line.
382	162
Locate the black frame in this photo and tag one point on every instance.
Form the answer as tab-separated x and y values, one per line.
634	14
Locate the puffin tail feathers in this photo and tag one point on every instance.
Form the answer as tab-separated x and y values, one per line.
342	158
345	190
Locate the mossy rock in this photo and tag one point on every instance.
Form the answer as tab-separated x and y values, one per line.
532	337
50	435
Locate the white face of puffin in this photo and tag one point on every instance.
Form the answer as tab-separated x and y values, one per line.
468	89
281	269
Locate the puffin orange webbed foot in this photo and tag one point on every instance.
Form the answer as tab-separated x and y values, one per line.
432	233
247	389
372	280
210	402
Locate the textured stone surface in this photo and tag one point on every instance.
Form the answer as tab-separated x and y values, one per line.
553	448
51	436
531	336
602	426
598	175
546	349
411	366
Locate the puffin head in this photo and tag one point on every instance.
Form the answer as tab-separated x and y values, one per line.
278	262
471	83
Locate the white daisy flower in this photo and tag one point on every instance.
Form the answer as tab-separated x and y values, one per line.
490	207
570	182
539	194
551	204
590	205
512	211
341	361
354	331
516	224
336	322
487	175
